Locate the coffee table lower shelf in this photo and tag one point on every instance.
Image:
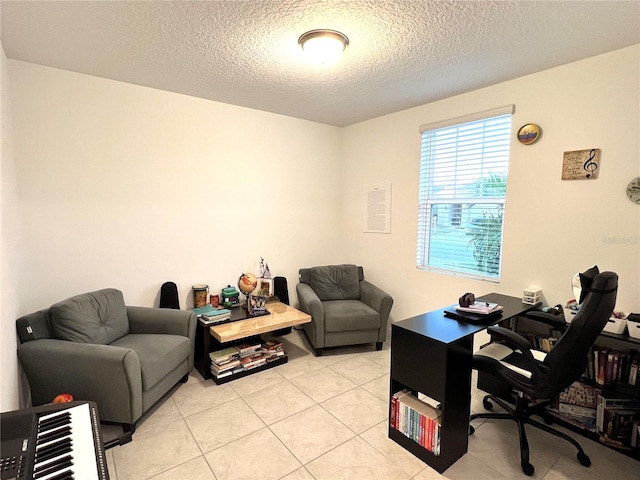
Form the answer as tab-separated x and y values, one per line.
234	376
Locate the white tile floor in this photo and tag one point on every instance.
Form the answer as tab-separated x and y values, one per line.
324	418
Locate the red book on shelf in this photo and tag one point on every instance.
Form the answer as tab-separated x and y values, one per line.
394	412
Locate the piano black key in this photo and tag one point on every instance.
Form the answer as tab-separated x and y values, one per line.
68	475
56	466
58	420
53	435
53	450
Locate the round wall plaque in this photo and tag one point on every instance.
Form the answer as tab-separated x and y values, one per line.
529	133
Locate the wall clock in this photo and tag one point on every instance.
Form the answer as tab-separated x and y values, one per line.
633	190
529	133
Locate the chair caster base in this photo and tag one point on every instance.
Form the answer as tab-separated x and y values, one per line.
584	460
528	469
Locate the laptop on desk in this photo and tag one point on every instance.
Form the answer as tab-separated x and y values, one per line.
470	317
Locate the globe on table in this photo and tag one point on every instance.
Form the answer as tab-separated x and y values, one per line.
247	283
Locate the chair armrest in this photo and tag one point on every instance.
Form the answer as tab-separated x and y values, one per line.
309	302
162	320
380	301
515	342
107	375
376	298
555	321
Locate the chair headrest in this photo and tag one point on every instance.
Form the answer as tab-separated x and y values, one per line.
603	283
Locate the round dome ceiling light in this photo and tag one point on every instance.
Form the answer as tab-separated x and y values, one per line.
323	46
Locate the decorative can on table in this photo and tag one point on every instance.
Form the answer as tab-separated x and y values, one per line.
200	295
215	300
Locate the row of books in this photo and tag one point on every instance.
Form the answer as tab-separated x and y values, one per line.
617	420
416	420
614	417
542	342
606	366
243	357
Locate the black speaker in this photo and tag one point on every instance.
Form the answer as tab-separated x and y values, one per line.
169	296
280	289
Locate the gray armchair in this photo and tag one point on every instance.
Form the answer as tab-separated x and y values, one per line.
94	347
345	309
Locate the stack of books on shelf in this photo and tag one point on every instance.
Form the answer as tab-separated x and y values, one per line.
577	405
417	420
211	315
618	421
225	362
244	357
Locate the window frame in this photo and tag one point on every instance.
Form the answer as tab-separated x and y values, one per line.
486	221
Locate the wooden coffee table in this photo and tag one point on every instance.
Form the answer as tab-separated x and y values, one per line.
210	338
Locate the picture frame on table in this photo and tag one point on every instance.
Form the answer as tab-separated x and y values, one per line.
264	287
257	305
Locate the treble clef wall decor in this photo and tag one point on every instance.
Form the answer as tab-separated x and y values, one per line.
581	164
590	166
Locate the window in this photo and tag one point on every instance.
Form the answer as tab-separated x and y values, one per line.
463	182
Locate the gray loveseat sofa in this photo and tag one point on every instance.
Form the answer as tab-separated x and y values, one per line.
345	309
94	347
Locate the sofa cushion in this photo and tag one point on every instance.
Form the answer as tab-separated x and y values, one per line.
159	354
349	315
335	282
96	317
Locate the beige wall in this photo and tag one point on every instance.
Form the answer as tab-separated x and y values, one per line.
9	249
553	228
125	186
128	187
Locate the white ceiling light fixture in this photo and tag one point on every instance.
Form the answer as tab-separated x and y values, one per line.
323	46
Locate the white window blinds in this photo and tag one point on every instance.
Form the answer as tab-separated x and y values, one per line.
463	175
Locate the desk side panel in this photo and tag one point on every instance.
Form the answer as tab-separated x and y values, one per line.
442	372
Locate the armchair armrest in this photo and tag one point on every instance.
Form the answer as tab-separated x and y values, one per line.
376	298
161	320
380	301
310	303
107	375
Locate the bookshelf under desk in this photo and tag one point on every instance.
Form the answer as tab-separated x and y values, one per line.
432	354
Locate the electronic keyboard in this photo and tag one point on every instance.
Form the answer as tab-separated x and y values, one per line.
53	442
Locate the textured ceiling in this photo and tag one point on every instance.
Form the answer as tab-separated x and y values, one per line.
401	53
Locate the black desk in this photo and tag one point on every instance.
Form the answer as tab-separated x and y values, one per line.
432	354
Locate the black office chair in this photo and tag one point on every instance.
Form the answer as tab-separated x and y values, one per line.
536	378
